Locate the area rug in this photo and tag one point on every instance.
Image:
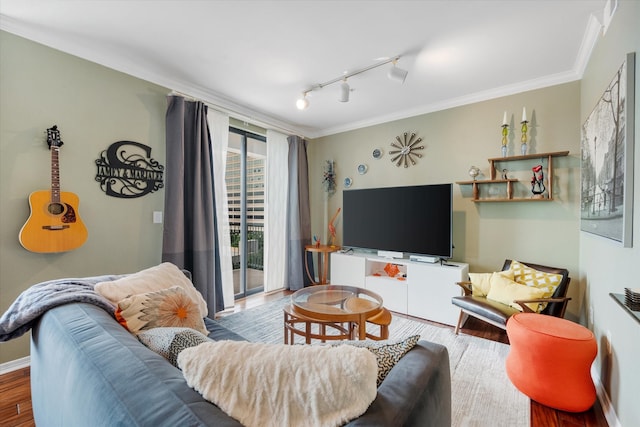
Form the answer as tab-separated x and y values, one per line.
482	394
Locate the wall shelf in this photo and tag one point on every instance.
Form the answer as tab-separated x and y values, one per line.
509	182
619	298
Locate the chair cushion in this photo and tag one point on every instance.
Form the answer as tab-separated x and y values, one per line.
530	276
526	275
495	312
506	291
481	282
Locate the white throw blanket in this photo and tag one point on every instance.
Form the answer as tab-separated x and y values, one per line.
264	385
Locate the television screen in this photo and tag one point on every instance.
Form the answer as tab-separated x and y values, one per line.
412	220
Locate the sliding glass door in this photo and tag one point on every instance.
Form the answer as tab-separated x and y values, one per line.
245	180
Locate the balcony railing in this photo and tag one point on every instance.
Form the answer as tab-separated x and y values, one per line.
255	246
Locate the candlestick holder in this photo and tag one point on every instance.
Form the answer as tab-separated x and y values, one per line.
505	132
523	139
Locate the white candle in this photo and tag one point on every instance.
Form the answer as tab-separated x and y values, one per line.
524	114
504	119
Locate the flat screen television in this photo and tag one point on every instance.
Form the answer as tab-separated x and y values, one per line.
412	219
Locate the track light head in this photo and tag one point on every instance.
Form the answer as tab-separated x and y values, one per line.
397	74
302	103
344	92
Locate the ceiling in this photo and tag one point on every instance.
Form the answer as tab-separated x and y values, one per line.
254	58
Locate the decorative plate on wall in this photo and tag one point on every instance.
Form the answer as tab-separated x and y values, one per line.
347	182
377	153
362	169
405	150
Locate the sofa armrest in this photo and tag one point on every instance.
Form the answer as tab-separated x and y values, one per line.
416	392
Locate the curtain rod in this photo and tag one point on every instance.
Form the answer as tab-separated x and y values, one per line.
236	114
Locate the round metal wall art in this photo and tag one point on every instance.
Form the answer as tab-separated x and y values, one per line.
404	150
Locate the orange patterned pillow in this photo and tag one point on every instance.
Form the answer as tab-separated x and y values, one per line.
167	307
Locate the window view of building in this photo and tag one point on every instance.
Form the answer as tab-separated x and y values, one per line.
245	180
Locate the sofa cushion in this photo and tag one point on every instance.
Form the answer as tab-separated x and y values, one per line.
167	307
169	342
264	385
388	352
162	276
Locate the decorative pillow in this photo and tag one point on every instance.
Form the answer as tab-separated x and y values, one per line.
168	307
506	291
481	282
169	342
538	279
526	275
161	276
387	352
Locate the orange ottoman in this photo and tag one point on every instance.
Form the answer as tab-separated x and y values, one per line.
550	361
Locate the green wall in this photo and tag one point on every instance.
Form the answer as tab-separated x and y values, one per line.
605	266
93	107
485	234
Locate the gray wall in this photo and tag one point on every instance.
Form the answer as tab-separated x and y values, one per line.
93	107
605	266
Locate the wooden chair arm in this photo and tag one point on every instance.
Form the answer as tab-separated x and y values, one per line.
466	287
525	308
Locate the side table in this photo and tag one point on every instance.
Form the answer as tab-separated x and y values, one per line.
323	252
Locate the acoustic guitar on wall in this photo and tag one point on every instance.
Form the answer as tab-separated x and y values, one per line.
54	224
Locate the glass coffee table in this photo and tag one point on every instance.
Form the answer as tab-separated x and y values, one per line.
333	305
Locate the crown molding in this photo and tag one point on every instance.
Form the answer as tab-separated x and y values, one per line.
487	95
69	44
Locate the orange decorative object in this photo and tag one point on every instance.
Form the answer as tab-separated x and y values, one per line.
550	361
332	229
391	269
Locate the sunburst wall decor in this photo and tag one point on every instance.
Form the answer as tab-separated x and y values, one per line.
404	152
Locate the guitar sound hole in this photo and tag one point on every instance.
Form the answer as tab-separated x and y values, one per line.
56	208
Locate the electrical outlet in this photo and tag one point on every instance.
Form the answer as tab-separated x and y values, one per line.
608	335
157	217
590	320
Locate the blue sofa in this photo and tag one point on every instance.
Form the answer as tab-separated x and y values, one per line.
87	370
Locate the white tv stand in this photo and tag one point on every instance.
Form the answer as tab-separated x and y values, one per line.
425	291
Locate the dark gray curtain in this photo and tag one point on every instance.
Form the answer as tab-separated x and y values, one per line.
298	215
190	229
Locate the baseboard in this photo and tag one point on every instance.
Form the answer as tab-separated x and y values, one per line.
607	407
14	365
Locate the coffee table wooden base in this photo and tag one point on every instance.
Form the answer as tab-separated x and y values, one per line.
325	330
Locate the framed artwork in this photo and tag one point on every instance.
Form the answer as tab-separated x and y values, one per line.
607	144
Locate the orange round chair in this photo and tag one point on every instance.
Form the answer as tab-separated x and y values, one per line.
550	361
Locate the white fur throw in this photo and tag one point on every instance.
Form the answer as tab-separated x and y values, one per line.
264	385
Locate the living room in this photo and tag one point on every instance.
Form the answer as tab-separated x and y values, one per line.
94	106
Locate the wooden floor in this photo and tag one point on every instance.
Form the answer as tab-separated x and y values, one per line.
15	388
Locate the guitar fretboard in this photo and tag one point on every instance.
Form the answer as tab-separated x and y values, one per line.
55	176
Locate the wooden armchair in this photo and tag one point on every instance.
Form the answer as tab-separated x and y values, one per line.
497	313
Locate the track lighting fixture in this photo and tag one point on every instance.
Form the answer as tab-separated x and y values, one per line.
302	103
344	91
395	73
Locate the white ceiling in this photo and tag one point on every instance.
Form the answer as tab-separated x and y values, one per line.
255	57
